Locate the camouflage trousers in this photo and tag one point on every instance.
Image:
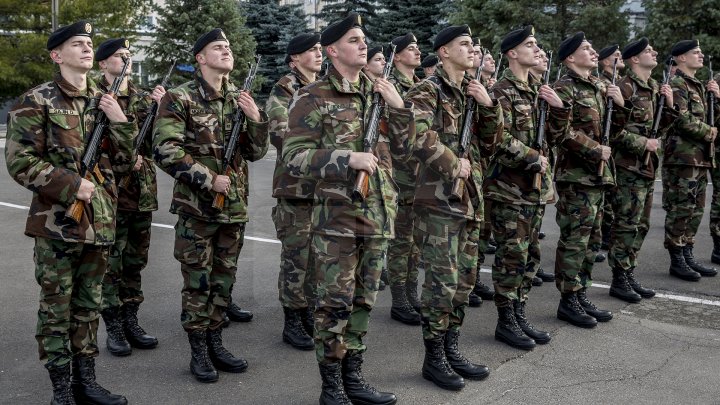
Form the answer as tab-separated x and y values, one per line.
632	202
448	248
683	199
208	254
128	257
715	202
403	254
485	233
607	210
296	282
348	277
579	215
70	278
516	228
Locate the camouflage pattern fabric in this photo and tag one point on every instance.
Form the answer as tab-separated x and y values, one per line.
192	126
684	189
533	263
48	128
208	254
632	203
296	283
348	277
715	176
128	257
70	277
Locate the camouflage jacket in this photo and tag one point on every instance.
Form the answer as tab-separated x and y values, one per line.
578	151
192	126
326	122
629	145
285	185
685	143
516	159
439	112
48	128
404	173
141	193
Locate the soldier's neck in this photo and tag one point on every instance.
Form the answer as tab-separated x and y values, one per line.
519	71
75	78
687	71
351	73
455	73
407	71
608	70
584	73
309	74
643	74
111	78
213	78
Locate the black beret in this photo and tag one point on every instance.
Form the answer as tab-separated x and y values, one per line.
684	46
336	30
515	38
634	48
374	51
403	42
570	45
429	61
608	51
109	47
215	35
301	43
81	28
448	34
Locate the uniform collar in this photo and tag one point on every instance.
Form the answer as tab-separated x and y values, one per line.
521	85
70	90
207	92
343	85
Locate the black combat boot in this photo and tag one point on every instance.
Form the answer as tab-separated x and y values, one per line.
546	277
541	235
436	367
85	389
411	291
383	280
605	244
621	288
540	337
459	363
508	331
679	268
333	392
715	257
600	257
60	378
116	341
491	247
644	292
200	365
308	321
537	281
599	314
474	300
294	332
571	311
483	290
401	310
221	358
236	314
136	335
693	264
356	388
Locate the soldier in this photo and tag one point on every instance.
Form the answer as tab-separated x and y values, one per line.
296	283
324	142
715	204
375	62
633	196
687	155
580	184
518	198
429	64
122	289
402	253
447	228
190	130
46	131
488	70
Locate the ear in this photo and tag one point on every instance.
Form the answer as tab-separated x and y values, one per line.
511	54
55	56
102	64
331	51
444	51
200	58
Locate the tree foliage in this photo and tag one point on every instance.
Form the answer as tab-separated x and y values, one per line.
333	10
398	17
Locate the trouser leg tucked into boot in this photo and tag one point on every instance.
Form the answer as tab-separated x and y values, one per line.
621	288
678	266
136	335
401	310
644	292
200	365
221	358
308	321
85	389
600	315
483	291
333	392
540	337
508	331
294	332
60	378
459	363
436	367
356	388
695	265
116	341
570	310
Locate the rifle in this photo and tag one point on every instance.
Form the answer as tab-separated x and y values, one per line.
608	118
711	114
658	114
91	155
559	72
362	182
458	188
234	141
537	180
498	65
152	112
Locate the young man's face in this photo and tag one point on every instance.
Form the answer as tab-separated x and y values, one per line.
409	56
350	50
584	57
114	64
376	64
693	58
477	52
76	54
527	53
311	59
459	52
646	59
217	56
488	63
608	62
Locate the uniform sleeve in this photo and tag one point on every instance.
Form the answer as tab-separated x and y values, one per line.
626	140
576	140
489	127
277	112
401	128
259	142
686	125
511	152
122	136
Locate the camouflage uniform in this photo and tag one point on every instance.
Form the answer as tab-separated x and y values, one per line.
296	283
46	135
580	189
715	177
447	230
517	210
192	126
608	216
129	253
326	122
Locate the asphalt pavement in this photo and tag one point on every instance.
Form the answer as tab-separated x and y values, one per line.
665	350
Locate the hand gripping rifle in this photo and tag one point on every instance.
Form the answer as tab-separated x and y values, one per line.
90	158
608	119
711	114
362	181
234	141
152	112
540	138
658	114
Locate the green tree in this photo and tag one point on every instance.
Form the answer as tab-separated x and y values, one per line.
333	10
398	17
182	22
26	24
